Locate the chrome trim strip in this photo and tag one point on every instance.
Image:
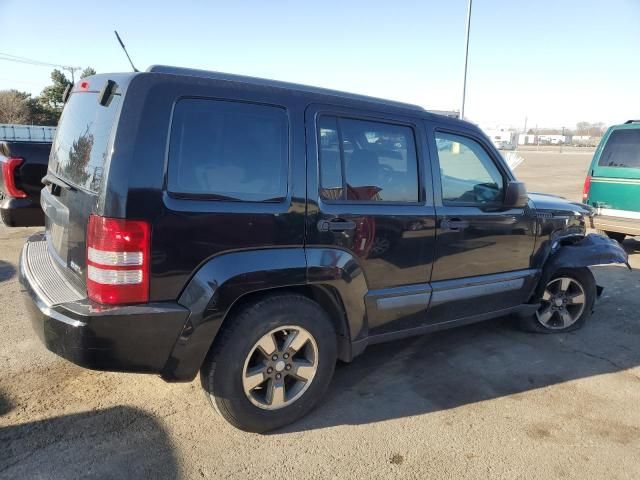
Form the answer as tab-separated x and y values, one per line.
632	181
611	212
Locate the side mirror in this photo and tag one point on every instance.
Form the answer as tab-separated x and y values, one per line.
515	195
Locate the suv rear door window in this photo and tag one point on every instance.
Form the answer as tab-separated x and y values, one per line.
228	150
362	160
622	149
79	151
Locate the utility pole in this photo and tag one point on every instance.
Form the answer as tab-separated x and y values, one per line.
466	60
72	70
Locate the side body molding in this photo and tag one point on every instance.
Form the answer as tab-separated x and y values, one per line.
223	280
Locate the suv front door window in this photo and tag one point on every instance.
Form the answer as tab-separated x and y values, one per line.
469	176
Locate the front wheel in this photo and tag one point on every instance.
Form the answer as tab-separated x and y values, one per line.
272	363
565	302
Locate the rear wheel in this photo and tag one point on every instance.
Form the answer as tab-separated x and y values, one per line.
272	363
565	302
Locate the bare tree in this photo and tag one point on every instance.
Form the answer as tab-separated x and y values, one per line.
14	107
593	129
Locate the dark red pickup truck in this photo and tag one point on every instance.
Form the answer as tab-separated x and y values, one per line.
24	155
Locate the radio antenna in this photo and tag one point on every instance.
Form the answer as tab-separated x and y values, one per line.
125	51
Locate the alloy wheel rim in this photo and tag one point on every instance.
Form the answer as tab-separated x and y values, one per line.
563	302
280	367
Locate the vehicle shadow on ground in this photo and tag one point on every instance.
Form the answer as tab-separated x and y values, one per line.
481	362
7	271
120	442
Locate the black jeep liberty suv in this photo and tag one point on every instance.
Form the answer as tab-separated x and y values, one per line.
257	231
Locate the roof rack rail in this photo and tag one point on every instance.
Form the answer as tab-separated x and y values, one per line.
631	121
277	84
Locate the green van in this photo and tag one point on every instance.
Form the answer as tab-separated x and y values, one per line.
612	185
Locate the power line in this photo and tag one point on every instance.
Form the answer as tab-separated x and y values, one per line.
29	61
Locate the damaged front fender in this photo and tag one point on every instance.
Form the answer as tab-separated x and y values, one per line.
591	250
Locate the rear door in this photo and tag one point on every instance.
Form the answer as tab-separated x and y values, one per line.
79	156
483	250
615	173
370	194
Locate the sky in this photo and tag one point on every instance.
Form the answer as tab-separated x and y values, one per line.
553	62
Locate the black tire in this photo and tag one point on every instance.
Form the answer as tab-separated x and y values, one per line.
582	276
222	372
617	236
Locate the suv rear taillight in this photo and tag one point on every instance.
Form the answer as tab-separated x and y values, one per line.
9	167
118	260
586	187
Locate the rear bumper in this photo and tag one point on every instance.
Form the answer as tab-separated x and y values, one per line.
135	338
620	224
21	212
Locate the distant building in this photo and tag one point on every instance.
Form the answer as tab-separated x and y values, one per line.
499	135
552	139
526	139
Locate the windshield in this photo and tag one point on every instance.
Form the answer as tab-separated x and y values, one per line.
622	149
80	147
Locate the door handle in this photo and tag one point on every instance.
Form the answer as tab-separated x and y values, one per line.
454	224
336	225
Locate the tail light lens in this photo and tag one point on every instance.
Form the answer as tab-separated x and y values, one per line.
9	167
118	260
586	188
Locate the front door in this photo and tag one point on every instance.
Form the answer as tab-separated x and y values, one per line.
483	250
370	194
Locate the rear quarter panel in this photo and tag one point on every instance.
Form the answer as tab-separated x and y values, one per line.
187	232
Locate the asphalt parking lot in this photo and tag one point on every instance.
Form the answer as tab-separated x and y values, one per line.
480	401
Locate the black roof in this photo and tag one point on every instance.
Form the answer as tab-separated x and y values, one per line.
278	84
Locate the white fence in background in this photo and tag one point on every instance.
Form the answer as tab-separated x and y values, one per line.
26	133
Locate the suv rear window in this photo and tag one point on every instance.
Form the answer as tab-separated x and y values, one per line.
362	160
228	150
79	149
622	149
